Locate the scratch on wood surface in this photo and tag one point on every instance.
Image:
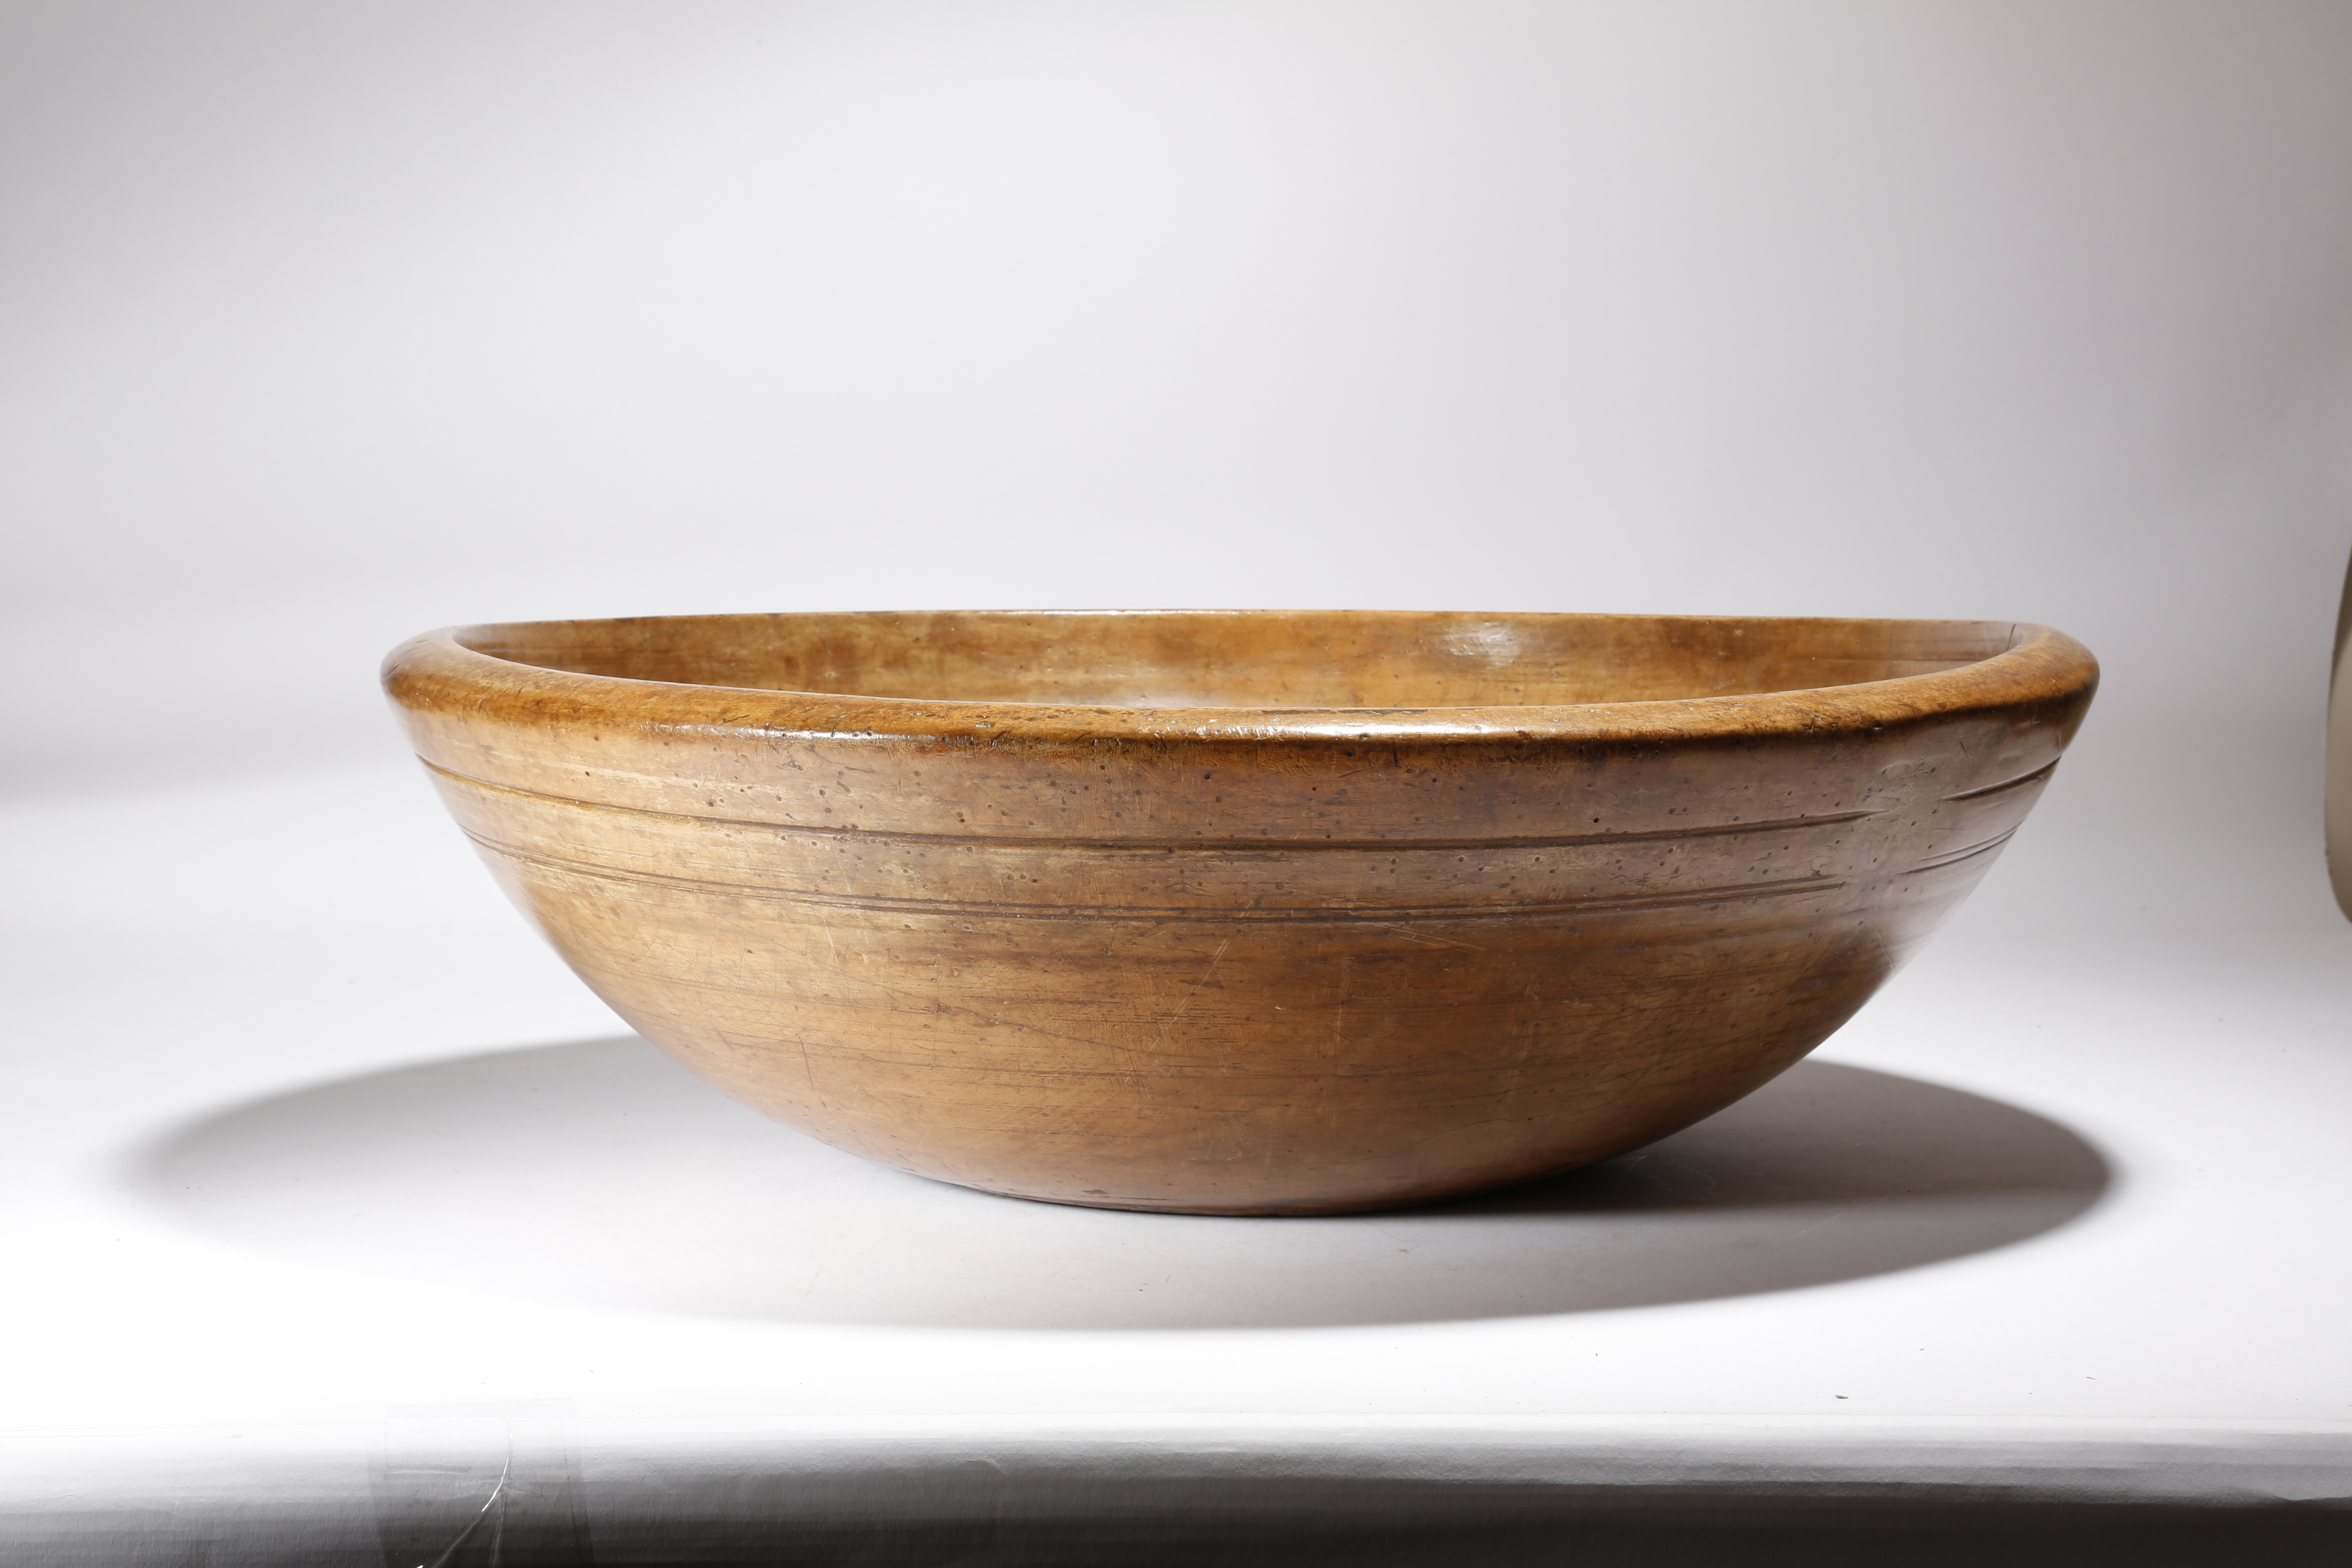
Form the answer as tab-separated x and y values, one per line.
808	1071
1215	959
1339	1017
1423	937
944	1006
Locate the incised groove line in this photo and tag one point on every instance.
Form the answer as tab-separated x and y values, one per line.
1369	914
2020	782
1957	856
1214	845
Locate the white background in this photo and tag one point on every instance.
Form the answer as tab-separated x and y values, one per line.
323	325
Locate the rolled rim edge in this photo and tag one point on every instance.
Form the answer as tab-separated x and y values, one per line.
437	672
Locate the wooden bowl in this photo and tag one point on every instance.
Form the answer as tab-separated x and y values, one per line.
1229	912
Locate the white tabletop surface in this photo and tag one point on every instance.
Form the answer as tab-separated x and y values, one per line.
314	1143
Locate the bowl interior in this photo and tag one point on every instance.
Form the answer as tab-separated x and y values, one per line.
1262	660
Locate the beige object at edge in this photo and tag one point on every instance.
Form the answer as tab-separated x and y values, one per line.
1239	913
2340	756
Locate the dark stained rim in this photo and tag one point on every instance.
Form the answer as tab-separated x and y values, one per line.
438	673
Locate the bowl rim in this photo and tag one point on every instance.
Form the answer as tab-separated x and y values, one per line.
442	671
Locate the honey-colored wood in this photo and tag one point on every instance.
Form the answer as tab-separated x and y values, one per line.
1239	913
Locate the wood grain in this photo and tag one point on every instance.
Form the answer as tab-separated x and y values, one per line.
1239	913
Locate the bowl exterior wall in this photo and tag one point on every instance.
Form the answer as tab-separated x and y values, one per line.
1225	975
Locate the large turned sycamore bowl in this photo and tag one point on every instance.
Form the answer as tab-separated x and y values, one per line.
1239	913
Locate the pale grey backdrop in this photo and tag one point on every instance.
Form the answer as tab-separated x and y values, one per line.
324	324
